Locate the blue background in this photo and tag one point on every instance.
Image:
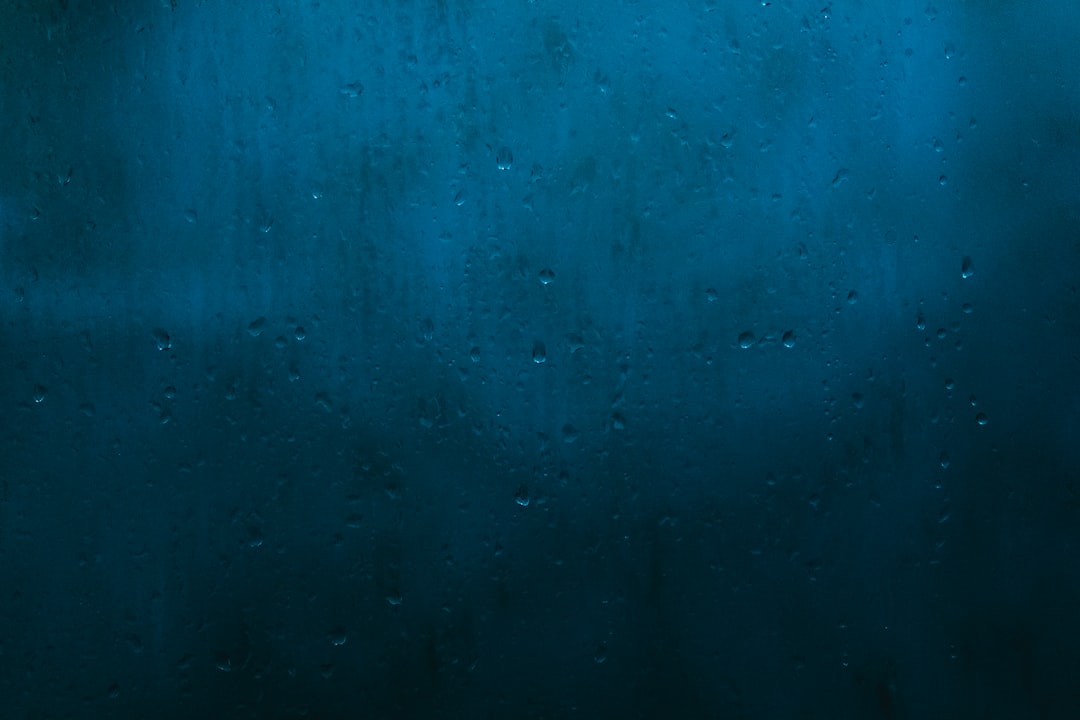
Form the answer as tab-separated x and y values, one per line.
477	359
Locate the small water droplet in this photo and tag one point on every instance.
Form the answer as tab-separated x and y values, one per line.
710	295
546	276
601	653
352	90
920	322
539	354
789	339
982	418
504	158
944	460
569	434
162	339
852	297
521	497
857	399
40	393
256	326
746	339
300	333
967	268
474	354
323	402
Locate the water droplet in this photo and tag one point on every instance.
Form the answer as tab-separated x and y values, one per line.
521	497
546	276
504	158
746	339
618	422
789	339
710	295
966	309
852	297
601	653
164	342
967	268
950	51
569	433
323	402
474	354
427	329
395	598
256	326
949	384
858	400
352	90
191	216
40	393
982	418
944	460
539	354
460	197
338	638
920	322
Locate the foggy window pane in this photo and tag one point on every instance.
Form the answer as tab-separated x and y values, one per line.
475	359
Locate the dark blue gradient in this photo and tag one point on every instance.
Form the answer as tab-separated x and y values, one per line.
477	359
